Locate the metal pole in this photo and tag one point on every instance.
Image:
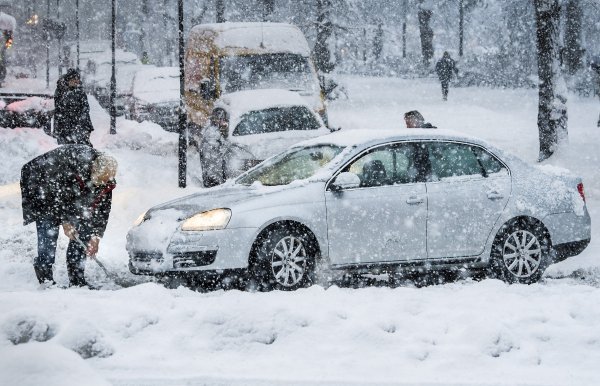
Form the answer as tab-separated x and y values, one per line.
182	114
461	25
113	78
59	40
77	28
48	47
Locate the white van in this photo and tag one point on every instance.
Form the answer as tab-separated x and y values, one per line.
230	57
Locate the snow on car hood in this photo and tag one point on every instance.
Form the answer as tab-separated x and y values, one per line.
223	196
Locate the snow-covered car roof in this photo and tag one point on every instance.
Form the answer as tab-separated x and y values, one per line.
156	85
240	102
361	137
260	37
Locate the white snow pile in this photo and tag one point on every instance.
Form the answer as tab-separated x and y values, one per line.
31	104
36	364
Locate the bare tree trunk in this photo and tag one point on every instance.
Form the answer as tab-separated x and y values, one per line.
461	24
552	110
321	52
426	35
573	53
268	9
220	5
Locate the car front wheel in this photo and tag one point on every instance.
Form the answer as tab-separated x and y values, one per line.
521	254
285	260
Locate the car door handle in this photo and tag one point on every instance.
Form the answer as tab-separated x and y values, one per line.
414	200
494	195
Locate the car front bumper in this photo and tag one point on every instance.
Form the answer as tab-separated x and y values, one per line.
192	251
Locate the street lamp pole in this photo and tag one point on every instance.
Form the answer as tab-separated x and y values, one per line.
182	114
77	28
47	36
59	41
113	78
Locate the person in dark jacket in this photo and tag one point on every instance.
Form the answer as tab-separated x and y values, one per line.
446	69
414	120
69	186
72	122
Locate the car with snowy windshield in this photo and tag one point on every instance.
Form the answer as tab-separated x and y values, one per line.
371	201
255	125
155	96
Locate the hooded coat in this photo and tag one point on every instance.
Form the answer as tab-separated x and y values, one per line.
446	68
72	122
56	187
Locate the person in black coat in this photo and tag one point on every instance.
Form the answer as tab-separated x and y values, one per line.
72	122
446	69
71	185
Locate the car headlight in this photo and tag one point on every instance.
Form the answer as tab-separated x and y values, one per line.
206	221
140	219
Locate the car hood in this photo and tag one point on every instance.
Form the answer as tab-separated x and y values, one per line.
224	196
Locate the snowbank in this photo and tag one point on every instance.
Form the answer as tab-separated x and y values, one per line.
31	104
36	364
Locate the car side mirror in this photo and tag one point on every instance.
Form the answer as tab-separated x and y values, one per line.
344	181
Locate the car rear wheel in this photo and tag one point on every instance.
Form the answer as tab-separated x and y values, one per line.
285	260
521	253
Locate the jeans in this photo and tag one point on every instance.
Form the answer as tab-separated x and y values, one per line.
47	232
47	235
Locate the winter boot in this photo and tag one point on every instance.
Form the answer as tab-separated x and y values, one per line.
44	274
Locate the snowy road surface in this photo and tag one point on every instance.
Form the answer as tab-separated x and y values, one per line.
461	333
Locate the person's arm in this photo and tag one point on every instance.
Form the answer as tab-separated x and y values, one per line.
100	215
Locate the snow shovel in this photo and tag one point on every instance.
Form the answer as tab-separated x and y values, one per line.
108	274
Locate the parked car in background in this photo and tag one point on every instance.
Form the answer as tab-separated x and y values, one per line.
155	96
259	124
371	202
98	71
228	57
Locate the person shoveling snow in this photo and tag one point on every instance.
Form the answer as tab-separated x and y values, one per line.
71	185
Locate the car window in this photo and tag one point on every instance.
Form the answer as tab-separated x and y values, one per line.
276	119
450	160
265	71
387	165
295	164
490	164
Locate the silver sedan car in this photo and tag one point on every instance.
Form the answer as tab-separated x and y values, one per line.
371	202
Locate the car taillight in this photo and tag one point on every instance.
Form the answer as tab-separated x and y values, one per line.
581	191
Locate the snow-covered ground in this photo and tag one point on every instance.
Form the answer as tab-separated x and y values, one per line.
461	333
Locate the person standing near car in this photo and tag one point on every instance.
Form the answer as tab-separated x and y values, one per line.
214	149
69	186
446	69
414	120
72	122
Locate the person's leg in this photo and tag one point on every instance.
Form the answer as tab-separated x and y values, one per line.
76	263
445	90
47	234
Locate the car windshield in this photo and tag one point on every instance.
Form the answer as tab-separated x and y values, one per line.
295	164
276	119
251	72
